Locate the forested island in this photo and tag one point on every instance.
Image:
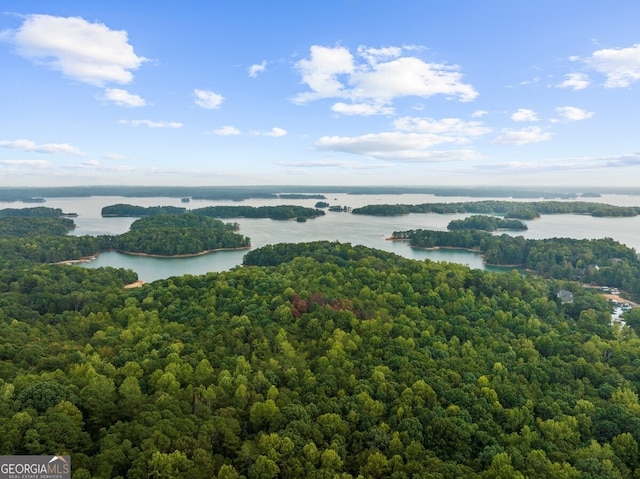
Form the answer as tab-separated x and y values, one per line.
510	209
486	223
281	212
178	235
134	211
43	238
317	360
300	196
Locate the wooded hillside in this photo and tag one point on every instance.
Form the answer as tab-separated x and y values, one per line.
317	360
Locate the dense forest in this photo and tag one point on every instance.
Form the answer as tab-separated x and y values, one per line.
280	212
22	226
136	211
34	212
43	238
510	209
316	360
597	261
486	223
182	234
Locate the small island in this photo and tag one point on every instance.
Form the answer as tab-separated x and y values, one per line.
133	211
179	235
486	223
300	196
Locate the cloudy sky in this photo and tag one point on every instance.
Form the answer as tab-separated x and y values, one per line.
339	92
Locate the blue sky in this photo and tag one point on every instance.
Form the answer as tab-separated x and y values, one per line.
339	92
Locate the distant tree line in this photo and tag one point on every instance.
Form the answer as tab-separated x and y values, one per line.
300	196
239	193
510	209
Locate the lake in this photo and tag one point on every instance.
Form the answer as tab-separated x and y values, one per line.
369	231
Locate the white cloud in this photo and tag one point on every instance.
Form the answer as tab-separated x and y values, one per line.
621	66
95	165
363	109
532	134
114	157
208	99
152	124
319	164
577	81
412	140
396	146
572	113
276	132
227	131
524	114
374	55
123	98
257	68
28	145
533	81
378	78
321	71
87	52
409	76
35	164
452	129
563	164
479	113
632	159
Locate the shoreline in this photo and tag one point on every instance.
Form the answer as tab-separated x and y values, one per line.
187	255
89	259
471	250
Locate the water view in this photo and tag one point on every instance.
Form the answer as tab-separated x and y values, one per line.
371	231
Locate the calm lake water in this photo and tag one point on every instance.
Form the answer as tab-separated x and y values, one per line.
369	231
